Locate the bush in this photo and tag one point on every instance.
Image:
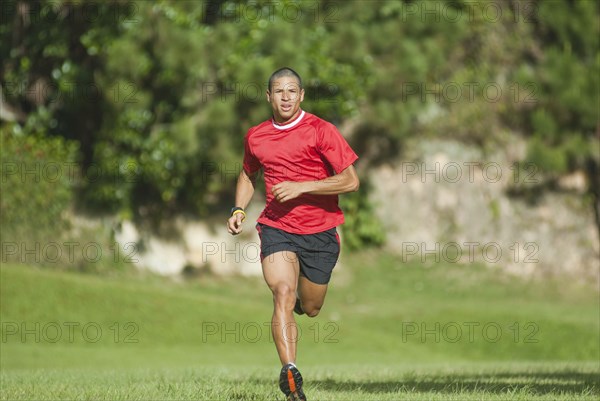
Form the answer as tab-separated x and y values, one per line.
362	228
38	178
40	175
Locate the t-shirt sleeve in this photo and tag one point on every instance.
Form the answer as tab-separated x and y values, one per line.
251	163
334	148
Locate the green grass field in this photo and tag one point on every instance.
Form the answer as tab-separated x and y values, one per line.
388	331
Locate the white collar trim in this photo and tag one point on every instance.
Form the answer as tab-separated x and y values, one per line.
290	125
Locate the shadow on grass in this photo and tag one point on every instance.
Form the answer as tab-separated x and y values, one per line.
566	382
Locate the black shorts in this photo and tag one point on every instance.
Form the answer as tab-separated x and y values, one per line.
317	253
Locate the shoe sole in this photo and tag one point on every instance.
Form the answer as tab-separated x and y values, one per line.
296	396
291	385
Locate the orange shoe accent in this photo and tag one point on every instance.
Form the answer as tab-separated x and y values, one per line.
291	381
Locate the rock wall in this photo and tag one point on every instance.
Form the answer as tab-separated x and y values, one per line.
444	201
196	246
450	202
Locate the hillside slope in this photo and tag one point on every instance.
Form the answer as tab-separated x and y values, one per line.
377	310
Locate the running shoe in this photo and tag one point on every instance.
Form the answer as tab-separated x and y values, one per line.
290	382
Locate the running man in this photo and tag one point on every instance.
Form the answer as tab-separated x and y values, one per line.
306	164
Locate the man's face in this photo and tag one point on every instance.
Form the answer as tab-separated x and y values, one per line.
285	97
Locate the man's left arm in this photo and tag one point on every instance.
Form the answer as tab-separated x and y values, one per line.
343	182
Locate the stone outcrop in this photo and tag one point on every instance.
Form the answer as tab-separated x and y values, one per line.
449	201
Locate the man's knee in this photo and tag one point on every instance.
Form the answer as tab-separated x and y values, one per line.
311	310
284	294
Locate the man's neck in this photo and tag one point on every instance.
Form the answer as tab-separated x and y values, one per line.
290	120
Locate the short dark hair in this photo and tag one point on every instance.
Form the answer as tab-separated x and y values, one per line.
284	72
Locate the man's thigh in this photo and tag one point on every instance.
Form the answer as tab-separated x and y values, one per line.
311	294
281	268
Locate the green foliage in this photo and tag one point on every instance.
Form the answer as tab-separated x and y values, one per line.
546	157
40	176
361	228
38	179
158	95
565	120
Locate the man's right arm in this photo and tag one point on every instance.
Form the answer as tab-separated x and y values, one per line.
243	194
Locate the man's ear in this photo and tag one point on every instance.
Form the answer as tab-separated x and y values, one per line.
268	96
302	94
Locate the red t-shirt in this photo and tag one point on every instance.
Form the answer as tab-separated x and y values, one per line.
306	149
